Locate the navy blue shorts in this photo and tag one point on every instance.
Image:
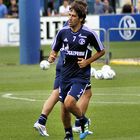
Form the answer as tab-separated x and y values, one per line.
57	81
73	88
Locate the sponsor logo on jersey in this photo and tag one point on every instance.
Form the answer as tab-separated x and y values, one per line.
75	53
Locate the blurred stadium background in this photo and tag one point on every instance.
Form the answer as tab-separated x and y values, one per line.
115	104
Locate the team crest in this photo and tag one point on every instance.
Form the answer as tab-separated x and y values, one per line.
127	22
82	41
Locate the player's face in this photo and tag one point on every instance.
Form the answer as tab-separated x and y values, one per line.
74	20
1	1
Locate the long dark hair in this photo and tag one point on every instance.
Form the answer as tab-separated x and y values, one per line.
80	7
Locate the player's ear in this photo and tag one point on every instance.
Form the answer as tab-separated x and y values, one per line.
81	19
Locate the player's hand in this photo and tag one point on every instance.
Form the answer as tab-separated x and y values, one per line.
52	57
82	62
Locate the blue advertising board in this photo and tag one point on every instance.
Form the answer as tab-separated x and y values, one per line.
121	21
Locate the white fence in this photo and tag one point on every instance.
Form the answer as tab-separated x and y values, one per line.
9	29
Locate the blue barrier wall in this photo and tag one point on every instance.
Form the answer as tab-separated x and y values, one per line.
121	21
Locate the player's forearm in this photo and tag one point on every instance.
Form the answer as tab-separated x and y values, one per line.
52	56
96	56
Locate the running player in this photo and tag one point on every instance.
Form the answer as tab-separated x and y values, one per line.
83	102
77	41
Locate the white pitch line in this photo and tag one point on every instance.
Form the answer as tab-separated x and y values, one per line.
9	96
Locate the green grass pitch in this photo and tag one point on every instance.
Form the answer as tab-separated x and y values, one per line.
114	108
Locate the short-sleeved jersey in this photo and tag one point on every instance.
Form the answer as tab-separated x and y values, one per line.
76	45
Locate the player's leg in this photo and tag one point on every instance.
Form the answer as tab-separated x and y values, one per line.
53	98
69	95
83	103
50	102
71	105
65	114
66	119
40	124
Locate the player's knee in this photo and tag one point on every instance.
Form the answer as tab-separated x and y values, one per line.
69	103
88	94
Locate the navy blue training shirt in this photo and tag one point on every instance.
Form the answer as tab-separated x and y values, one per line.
75	45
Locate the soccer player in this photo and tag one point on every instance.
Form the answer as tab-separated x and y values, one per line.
54	97
77	41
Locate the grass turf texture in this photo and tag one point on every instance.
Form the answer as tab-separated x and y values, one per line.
114	106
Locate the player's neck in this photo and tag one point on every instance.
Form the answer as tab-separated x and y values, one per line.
76	28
